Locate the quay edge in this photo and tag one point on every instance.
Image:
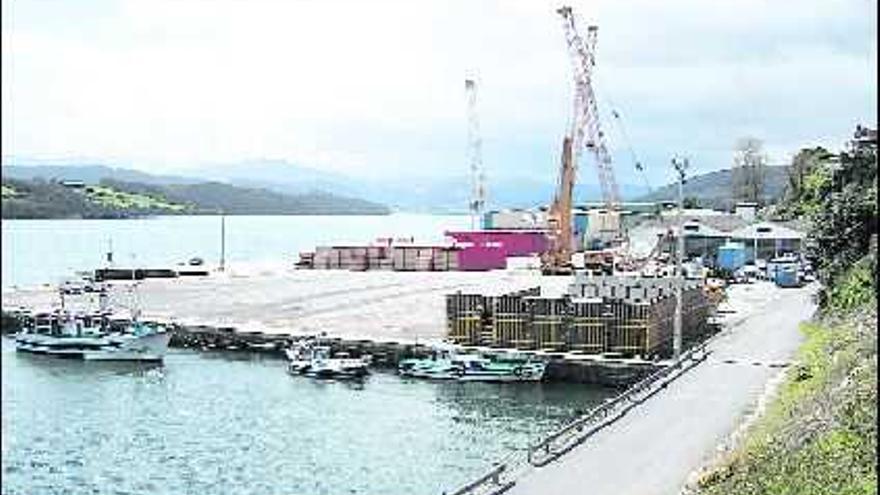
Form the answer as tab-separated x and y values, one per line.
595	370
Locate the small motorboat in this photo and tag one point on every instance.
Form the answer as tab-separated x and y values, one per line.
318	361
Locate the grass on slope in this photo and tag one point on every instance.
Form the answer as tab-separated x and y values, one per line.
112	198
819	436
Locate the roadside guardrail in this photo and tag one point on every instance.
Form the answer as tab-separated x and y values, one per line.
502	477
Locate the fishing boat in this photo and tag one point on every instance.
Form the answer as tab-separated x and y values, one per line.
448	363
444	363
87	337
502	368
318	361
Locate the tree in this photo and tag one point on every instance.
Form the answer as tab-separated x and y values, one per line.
691	202
839	198
749	162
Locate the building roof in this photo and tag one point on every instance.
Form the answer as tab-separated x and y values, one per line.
699	229
766	230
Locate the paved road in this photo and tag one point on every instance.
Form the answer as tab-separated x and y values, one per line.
653	449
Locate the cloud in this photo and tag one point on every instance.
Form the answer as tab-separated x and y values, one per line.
377	87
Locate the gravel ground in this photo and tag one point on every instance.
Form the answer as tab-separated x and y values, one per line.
376	305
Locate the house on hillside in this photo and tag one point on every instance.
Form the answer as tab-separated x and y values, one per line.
73	184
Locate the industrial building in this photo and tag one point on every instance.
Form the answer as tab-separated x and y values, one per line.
768	240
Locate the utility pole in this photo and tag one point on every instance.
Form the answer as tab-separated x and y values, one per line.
222	241
680	164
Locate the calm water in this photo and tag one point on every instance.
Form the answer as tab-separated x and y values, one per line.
45	251
219	423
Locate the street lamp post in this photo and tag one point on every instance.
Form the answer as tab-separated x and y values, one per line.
680	164
222	241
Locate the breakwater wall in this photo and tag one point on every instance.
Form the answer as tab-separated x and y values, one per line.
205	338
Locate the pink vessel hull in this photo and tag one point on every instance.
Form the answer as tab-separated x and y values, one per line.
489	249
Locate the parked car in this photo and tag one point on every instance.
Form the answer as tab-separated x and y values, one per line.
72	287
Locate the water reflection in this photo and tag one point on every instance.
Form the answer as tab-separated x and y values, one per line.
240	424
53	365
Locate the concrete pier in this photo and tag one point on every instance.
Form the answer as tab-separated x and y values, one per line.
390	315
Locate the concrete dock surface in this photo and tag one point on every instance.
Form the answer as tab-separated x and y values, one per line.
654	448
376	305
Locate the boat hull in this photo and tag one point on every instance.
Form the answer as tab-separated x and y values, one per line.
151	347
473	370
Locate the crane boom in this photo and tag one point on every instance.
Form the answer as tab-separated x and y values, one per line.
586	129
475	151
585	132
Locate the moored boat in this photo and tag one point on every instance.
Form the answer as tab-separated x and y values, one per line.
318	361
448	363
66	335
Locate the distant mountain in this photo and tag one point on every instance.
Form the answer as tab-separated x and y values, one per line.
407	192
41	198
90	174
715	189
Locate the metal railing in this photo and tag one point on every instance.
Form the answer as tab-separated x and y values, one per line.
574	433
490	483
502	477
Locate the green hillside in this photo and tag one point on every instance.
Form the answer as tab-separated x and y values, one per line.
39	198
714	189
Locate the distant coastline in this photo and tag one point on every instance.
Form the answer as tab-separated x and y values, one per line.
40	198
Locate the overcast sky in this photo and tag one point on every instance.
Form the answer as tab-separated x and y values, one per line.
376	87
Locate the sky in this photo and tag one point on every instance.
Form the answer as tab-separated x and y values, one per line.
376	88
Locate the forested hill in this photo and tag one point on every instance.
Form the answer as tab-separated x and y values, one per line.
715	189
39	198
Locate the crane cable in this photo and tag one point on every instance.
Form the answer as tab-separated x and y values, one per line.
622	130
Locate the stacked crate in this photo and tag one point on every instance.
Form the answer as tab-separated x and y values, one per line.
510	319
424	259
445	259
352	258
403	259
630	317
549	319
323	258
464	317
629	327
587	331
378	258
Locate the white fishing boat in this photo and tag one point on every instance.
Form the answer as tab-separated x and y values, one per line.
90	337
449	363
63	334
307	358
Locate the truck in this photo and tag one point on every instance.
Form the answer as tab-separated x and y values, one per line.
787	275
